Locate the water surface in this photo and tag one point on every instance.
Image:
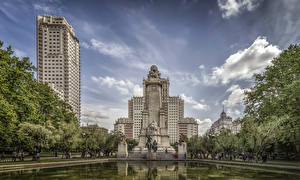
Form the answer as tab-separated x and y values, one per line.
156	170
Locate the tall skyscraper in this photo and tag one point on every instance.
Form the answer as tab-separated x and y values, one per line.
135	108
175	114
58	58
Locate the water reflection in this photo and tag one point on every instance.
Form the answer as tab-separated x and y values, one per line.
160	170
151	170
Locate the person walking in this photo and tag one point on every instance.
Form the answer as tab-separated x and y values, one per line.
38	156
14	156
3	156
20	156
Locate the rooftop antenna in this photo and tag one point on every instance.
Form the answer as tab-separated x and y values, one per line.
223	108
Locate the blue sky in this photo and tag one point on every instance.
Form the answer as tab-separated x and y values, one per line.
209	49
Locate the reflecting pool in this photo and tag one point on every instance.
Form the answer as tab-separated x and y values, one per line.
157	170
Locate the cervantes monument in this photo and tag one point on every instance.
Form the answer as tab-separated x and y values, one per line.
154	138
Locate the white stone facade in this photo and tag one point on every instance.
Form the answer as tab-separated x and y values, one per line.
175	113
135	108
58	58
224	123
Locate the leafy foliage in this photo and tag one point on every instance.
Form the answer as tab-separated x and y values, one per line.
34	137
272	120
23	99
131	143
276	96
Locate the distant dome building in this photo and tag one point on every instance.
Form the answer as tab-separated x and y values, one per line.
224	123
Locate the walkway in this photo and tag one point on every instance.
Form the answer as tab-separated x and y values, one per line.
35	165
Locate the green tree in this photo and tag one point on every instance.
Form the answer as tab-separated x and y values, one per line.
209	146
34	137
111	143
259	137
226	143
23	99
68	138
194	147
131	143
8	122
276	94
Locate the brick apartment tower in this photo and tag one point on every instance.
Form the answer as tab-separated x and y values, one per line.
58	58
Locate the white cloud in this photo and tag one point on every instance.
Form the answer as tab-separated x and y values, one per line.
137	90
87	28
121	51
204	125
234	102
195	104
19	53
201	66
244	63
151	47
233	7
85	45
125	87
44	8
184	78
104	116
91	116
116	50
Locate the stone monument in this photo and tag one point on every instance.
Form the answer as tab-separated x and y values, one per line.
154	118
122	149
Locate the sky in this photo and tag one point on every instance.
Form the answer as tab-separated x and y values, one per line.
209	49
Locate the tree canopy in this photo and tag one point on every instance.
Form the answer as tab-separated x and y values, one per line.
23	99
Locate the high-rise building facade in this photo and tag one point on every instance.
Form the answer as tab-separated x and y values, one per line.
58	58
135	108
188	127
175	114
171	108
124	126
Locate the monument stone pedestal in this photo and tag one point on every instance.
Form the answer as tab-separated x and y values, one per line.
154	119
122	150
182	152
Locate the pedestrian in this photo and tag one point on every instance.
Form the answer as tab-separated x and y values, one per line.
20	156
3	156
38	156
264	158
14	156
244	157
